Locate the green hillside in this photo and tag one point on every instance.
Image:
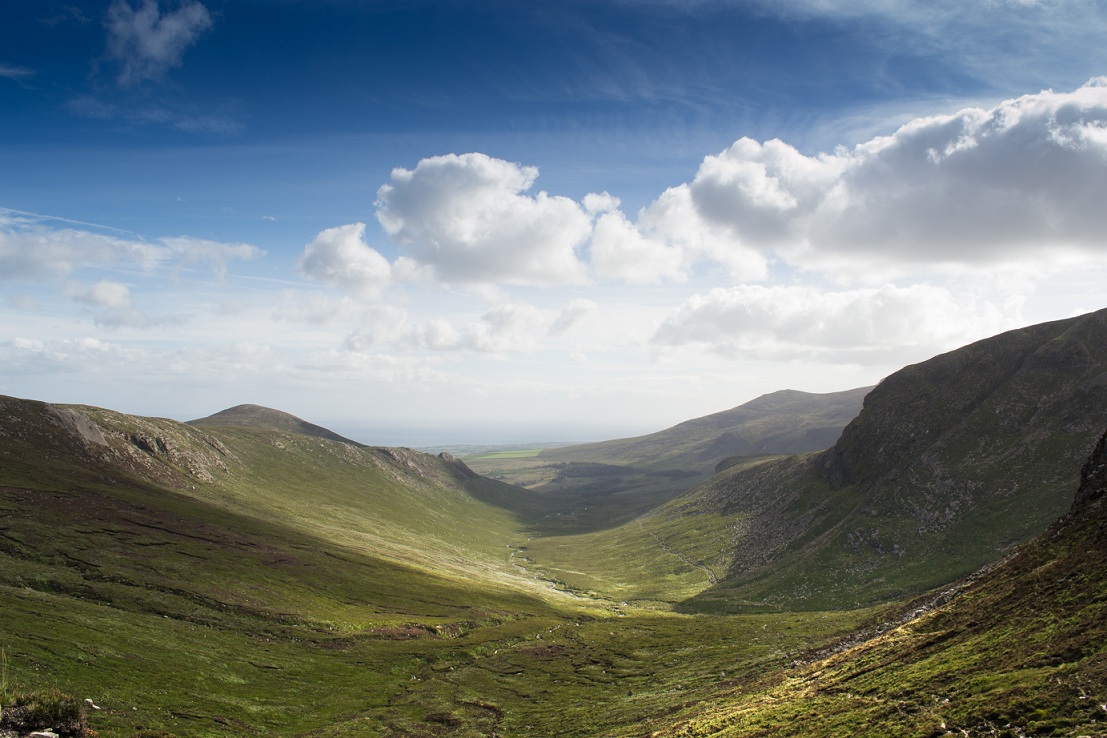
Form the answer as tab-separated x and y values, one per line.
254	574
1018	650
950	464
233	580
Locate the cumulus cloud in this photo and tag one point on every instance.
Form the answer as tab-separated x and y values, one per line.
860	326
621	251
340	257
469	217
148	42
977	188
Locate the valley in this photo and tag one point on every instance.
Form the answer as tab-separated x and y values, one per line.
799	565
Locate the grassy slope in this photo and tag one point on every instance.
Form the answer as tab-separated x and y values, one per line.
951	463
211	586
1020	651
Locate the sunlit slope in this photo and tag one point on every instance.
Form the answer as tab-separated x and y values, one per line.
416	509
129	574
658	559
1019	651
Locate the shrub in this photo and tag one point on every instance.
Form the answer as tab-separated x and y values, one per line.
52	709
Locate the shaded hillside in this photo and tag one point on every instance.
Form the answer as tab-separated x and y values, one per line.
950	463
264	418
1021	650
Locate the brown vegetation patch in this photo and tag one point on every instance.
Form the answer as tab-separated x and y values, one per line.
543	652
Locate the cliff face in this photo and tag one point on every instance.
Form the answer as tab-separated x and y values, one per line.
1031	383
950	464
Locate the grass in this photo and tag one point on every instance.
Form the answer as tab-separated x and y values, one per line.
304	586
1022	651
244	581
526	453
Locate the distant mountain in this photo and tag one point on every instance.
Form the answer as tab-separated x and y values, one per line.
1015	650
950	464
784	422
595	486
264	418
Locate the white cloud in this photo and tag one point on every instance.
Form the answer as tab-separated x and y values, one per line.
30	251
621	251
312	308
505	329
690	238
571	315
105	293
1014	185
214	254
468	218
339	257
7	71
36	253
147	42
872	325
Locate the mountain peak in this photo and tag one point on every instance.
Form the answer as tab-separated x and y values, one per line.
258	416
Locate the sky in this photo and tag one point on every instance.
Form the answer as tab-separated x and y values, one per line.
438	222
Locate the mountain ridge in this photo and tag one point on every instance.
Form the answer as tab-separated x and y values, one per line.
953	461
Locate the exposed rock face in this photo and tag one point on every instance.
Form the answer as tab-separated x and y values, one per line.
1093	477
79	424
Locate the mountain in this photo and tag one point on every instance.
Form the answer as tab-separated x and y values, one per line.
398	504
950	464
260	578
785	422
1018	649
256	416
596	486
215	580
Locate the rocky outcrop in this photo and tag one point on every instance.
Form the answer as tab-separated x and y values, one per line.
1093	477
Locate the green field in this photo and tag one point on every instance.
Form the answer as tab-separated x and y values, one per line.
526	453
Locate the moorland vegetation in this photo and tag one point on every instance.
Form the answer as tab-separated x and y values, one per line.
935	570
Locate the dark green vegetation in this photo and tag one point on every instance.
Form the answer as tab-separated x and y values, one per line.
1020	650
253	574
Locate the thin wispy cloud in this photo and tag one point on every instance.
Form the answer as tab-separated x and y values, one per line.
17	73
147	42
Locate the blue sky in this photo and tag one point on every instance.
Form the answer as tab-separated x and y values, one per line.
432	222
